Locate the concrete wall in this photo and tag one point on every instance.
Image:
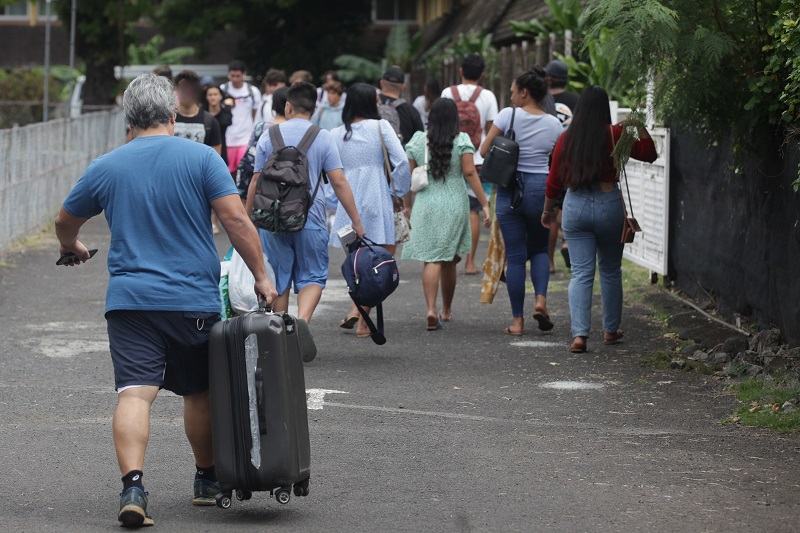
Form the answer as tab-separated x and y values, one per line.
735	236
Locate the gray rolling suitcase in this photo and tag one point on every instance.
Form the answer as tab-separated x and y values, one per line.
258	407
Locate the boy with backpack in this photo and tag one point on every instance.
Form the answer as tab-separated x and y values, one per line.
477	109
287	202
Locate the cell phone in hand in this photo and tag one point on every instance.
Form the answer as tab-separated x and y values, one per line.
70	259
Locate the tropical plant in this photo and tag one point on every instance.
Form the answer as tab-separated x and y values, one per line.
472	42
564	15
149	53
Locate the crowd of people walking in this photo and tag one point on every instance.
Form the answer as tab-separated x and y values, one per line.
372	141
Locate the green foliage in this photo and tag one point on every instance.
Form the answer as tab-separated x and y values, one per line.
27	85
447	50
763	405
713	62
104	31
564	15
353	68
150	53
588	64
630	134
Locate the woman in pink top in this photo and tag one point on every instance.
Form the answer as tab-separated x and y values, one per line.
593	213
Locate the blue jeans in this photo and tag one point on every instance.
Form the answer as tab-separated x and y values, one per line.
525	239
592	223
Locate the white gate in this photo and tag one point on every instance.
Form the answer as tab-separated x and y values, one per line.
649	185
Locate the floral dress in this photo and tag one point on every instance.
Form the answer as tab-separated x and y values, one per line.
440	217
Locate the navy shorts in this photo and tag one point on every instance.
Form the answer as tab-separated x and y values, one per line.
166	349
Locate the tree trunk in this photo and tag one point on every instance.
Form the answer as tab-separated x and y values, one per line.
100	87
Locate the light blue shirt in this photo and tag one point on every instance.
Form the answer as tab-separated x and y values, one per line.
536	136
322	156
156	193
328	117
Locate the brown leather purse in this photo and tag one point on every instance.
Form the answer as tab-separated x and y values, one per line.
630	226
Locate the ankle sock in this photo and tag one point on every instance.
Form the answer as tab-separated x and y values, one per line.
132	479
209	474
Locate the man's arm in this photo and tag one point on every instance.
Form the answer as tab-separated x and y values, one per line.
245	240
345	195
67	229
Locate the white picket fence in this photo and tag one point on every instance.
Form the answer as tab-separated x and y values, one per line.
41	162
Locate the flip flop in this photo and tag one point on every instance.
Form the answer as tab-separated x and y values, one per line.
349	322
545	324
616	338
578	347
468	273
433	326
508	331
446	319
363	336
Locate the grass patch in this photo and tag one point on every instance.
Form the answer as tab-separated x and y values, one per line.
762	405
658	360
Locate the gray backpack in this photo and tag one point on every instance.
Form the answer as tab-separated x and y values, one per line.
282	200
388	112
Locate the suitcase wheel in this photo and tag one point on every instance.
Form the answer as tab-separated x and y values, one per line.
283	496
243	495
224	500
301	488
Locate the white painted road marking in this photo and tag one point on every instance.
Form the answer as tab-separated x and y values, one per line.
315	398
536	344
572	385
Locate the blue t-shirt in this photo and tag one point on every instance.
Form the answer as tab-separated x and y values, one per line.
536	136
155	192
323	155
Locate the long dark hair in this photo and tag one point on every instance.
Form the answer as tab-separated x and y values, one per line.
442	130
587	149
362	102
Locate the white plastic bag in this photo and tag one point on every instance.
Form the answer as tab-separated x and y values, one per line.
240	284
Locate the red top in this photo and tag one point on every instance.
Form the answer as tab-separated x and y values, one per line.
643	150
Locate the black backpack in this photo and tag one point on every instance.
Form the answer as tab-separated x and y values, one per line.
246	168
371	275
282	199
500	162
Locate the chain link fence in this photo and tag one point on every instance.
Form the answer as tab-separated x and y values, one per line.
40	163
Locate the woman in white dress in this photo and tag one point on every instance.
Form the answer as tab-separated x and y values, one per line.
361	150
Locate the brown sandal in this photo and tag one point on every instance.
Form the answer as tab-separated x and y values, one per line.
613	338
578	345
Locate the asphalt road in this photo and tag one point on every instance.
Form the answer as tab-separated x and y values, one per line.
455	430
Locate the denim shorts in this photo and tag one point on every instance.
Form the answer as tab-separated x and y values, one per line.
165	349
299	259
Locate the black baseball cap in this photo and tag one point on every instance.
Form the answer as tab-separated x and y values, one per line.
557	70
394	74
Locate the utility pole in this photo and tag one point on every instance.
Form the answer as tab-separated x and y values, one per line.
73	11
46	103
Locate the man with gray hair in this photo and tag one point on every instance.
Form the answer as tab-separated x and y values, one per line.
163	296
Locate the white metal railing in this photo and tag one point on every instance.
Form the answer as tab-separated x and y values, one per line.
41	162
